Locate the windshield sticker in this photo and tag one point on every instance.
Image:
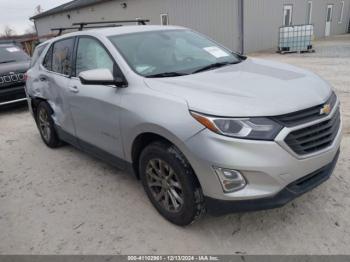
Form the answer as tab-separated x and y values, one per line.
13	49
142	68
215	51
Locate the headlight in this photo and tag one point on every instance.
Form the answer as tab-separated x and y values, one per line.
257	128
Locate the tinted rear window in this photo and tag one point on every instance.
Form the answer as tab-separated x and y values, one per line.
62	56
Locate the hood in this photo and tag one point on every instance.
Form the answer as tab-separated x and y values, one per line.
16	67
254	87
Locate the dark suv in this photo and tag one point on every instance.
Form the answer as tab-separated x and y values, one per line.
14	62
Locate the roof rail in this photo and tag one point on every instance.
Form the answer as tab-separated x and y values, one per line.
62	29
98	24
83	25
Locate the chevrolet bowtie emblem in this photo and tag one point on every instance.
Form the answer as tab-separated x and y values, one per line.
326	109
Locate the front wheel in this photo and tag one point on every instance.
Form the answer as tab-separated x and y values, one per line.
170	184
46	125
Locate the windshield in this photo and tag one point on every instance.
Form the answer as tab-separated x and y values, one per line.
12	53
171	53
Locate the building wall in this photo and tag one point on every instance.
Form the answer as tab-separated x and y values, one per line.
262	20
320	20
218	19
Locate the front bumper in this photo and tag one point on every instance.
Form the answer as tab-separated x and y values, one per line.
12	95
290	192
269	167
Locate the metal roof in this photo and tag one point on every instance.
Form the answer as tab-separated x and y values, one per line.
75	4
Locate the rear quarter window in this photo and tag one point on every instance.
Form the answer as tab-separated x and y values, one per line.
37	53
47	63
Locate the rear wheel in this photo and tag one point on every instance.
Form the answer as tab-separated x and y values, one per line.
46	125
170	184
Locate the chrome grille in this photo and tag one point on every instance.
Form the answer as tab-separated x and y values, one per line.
305	116
316	137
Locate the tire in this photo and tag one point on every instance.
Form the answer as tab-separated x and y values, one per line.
46	125
171	184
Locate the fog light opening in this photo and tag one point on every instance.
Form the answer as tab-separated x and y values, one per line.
231	180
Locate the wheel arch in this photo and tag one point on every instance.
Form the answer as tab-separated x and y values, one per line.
144	139
35	101
140	142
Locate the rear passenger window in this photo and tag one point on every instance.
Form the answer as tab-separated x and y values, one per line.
62	56
47	63
92	55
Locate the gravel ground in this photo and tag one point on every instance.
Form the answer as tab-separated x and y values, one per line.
65	202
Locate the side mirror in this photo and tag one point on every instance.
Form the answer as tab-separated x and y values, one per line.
101	77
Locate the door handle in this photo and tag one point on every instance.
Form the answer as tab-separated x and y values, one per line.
74	89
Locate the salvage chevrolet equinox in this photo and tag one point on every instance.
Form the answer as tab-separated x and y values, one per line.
202	127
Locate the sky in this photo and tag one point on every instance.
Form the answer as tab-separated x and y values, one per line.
16	13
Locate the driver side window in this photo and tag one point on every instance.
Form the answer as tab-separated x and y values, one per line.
92	55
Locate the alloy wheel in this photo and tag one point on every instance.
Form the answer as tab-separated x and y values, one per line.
164	185
44	124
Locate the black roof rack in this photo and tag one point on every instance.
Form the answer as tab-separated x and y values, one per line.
99	24
83	25
62	29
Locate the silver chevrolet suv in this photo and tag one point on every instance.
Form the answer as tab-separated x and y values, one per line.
203	128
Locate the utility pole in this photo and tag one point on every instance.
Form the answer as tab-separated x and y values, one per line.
241	24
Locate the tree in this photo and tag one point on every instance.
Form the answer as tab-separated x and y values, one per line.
38	10
30	30
8	31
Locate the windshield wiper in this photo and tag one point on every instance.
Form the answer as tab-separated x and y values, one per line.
215	65
7	61
166	74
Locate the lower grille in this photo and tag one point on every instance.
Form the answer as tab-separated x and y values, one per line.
12	94
316	137
11	86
